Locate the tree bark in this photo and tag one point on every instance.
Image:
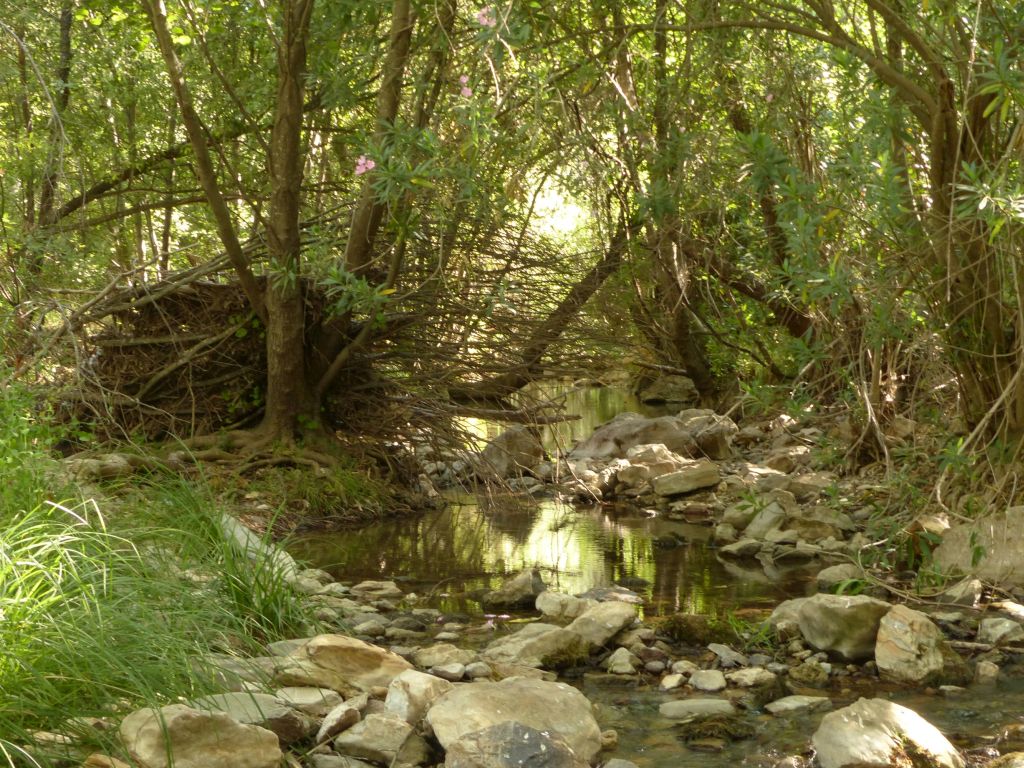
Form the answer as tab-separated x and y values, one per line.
290	397
369	212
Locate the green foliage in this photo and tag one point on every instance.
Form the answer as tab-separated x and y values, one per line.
344	494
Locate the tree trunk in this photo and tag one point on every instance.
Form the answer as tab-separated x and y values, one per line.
369	211
290	396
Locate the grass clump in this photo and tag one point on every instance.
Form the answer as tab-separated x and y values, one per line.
102	612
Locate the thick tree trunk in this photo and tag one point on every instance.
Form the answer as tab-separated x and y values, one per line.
290	396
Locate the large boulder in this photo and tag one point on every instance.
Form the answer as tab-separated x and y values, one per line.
990	548
514	452
602	622
511	745
671	389
909	648
846	625
518	592
411	693
554	708
877	733
343	664
693	433
537	645
264	555
189	738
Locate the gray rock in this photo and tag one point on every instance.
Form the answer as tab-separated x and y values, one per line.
671	389
260	709
966	592
790	704
986	673
336	761
261	552
556	605
843	624
727	656
618	763
377	590
877	733
767	519
742	548
511	745
440	654
828	578
622	662
997	630
513	452
450	672
998	537
696	709
196	739
601	622
690	433
694	476
752	677
384	738
909	648
709	680
518	592
537	645
554	708
411	694
478	669
313	701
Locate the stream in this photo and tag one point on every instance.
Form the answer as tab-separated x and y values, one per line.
450	555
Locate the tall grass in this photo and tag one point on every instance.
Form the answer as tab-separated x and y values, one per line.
103	613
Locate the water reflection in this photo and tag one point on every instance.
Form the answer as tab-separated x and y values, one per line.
479	540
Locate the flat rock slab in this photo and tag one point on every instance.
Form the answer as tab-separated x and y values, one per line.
554	708
710	680
692	477
313	701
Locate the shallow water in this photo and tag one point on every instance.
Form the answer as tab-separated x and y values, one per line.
449	556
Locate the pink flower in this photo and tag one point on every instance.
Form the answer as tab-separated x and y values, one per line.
364	164
466	92
487	17
464	80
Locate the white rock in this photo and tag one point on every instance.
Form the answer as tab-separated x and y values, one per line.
710	680
751	677
877	733
622	662
843	624
998	630
601	622
788	704
556	605
672	681
411	694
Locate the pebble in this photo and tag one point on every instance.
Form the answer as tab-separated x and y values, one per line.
654	667
710	680
671	682
452	672
478	669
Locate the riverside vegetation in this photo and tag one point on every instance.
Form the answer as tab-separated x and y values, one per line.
275	268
